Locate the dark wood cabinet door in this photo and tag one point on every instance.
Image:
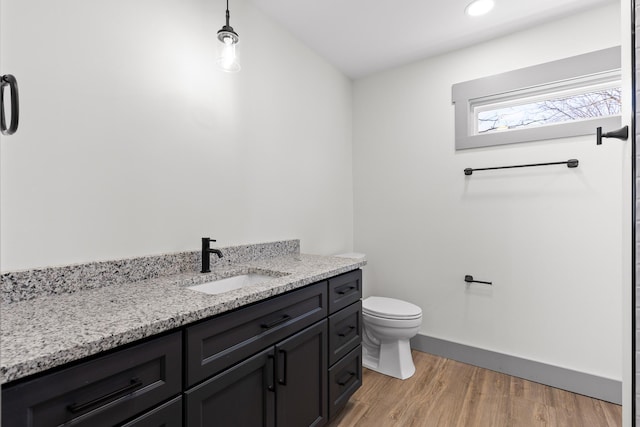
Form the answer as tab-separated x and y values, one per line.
301	378
243	395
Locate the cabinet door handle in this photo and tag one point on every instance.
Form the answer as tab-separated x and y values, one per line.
346	331
134	384
345	289
282	367
271	373
276	322
12	83
345	379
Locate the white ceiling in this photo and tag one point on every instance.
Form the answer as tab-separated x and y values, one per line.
364	36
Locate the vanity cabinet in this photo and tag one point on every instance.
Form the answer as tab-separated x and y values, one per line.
302	380
284	386
292	360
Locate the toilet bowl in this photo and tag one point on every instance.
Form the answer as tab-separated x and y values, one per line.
387	326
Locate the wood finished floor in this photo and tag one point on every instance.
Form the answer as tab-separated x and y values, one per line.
445	393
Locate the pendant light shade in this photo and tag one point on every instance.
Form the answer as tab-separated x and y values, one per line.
227	48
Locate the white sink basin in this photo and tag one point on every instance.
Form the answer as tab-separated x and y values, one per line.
230	283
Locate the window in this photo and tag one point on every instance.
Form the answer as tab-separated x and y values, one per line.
558	99
586	102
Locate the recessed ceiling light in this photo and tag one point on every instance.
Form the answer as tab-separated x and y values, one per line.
479	7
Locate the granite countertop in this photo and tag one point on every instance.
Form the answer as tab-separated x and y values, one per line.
51	330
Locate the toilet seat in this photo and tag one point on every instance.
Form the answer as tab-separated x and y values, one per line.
390	308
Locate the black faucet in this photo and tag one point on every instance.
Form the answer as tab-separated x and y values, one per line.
206	250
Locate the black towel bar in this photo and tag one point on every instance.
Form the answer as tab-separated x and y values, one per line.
571	163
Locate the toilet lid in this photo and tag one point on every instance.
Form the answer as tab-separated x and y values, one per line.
390	308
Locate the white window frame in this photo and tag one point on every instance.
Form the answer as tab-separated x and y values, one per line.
569	73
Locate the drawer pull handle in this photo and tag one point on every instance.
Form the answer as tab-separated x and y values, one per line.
345	379
346	331
134	384
345	290
276	322
270	373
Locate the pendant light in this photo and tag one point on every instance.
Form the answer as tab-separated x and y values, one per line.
227	57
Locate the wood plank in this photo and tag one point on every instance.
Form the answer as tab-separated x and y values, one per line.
446	393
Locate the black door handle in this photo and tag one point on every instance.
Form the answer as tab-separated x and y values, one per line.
282	367
12	83
622	133
271	361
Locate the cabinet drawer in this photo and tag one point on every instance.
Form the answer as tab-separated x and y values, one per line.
218	343
101	392
344	290
167	415
345	377
345	331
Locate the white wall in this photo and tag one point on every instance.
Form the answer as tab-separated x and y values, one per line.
132	143
550	239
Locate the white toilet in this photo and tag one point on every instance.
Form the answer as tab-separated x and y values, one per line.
387	326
